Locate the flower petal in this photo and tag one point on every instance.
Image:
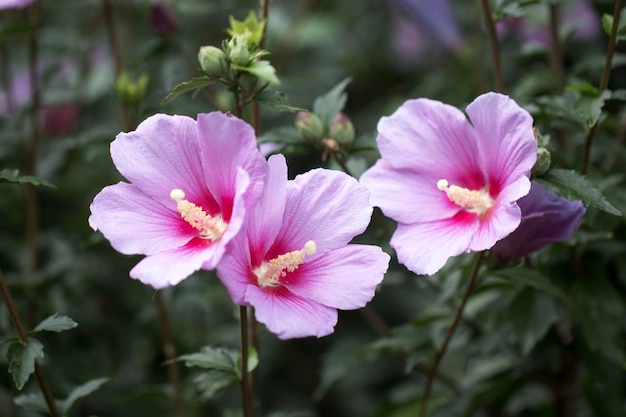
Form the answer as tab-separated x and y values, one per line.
228	143
503	220
507	144
136	224
432	139
345	278
234	269
163	154
405	196
289	316
328	207
169	268
425	247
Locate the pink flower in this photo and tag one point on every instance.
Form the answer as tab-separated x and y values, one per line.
14	4
451	184
293	263
190	184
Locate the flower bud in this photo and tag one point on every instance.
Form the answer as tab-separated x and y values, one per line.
342	130
162	19
237	50
213	61
131	92
309	126
538	136
543	162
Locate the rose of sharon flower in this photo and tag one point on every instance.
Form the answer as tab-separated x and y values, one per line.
451	183
14	4
546	218
190	185
293	263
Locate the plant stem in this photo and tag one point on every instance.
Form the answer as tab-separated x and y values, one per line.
444	346
169	350
19	328
555	55
5	72
604	82
246	393
495	46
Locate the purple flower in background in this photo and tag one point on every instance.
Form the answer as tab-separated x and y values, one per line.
14	4
293	263
451	184
578	18
546	218
162	19
190	185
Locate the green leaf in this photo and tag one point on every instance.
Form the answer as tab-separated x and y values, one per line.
32	402
56	323
22	360
12	176
532	315
584	87
210	383
574	186
196	83
590	108
531	278
253	361
262	69
330	104
80	392
276	100
607	25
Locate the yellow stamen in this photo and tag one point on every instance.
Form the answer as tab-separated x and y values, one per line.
474	201
208	226
270	273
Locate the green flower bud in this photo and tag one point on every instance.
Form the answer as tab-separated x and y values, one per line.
342	130
309	126
237	50
131	92
538	136
213	61
543	162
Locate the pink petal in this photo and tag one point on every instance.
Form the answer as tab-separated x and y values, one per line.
228	143
234	269
345	278
405	196
289	316
328	207
425	247
163	154
432	139
169	268
498	224
507	143
136	224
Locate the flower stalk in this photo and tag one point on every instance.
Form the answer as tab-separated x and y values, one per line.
495	47
246	392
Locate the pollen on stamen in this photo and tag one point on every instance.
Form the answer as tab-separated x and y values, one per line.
208	227
474	201
270	272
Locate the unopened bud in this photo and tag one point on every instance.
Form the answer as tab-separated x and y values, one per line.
162	19
342	130
213	61
538	136
130	91
237	50
543	162
309	126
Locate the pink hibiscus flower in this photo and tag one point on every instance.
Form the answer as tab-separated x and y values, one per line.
451	183
293	263
190	184
14	4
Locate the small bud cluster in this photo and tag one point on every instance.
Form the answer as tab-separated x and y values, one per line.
130	91
337	136
543	156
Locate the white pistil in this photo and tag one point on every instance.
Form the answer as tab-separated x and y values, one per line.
270	273
209	227
474	201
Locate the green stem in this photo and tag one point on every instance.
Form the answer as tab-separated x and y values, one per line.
246	392
444	346
495	46
604	82
19	328
555	55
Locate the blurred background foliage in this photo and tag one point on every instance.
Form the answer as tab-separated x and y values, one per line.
543	336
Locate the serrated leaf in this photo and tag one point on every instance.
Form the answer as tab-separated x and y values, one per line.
531	278
619	94
80	392
330	104
276	100
210	383
253	361
196	83
22	360
56	323
590	107
13	176
574	186
607	25
584	87
262	69
282	135
532	315
32	402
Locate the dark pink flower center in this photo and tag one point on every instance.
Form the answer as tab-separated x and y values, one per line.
473	201
270	272
209	227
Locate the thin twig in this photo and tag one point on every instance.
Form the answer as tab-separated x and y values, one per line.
495	46
246	394
604	82
19	328
555	55
444	346
169	350
5	72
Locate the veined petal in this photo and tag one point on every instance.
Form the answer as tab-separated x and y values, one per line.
136	224
507	144
163	154
345	278
289	316
227	143
425	247
234	269
328	207
498	224
168	268
433	139
405	196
